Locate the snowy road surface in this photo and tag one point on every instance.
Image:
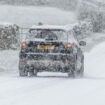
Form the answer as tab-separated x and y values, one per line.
53	88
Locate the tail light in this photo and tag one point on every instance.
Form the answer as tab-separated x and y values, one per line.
68	45
23	44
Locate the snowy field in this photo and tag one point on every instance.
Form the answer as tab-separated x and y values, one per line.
49	88
27	16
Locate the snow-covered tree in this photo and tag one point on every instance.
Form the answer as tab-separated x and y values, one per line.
9	36
93	13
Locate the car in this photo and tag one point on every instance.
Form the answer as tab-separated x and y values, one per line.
50	48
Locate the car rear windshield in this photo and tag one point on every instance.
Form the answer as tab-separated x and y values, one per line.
48	34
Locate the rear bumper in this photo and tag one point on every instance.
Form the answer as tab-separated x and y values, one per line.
49	62
48	65
46	56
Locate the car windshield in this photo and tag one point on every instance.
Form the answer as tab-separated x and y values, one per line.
47	34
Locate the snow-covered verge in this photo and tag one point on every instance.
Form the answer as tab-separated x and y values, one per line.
97	62
93	40
8	61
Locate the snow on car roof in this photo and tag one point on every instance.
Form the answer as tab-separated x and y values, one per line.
66	27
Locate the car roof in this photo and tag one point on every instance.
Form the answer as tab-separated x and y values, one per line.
53	27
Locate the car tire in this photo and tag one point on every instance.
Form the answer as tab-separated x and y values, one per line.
35	73
22	70
23	73
74	72
73	68
32	71
81	71
71	74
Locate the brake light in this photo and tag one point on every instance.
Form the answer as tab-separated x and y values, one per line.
68	45
24	44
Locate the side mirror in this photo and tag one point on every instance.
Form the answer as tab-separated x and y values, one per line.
82	43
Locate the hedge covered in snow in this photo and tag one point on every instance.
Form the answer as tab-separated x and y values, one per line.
9	36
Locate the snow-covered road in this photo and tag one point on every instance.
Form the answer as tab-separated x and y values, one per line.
53	88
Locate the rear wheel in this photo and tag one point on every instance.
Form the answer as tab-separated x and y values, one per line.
81	71
23	73
32	71
35	73
73	68
71	74
22	70
75	71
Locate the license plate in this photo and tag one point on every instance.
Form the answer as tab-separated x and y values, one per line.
45	47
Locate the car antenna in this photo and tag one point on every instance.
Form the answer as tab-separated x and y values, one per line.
40	23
